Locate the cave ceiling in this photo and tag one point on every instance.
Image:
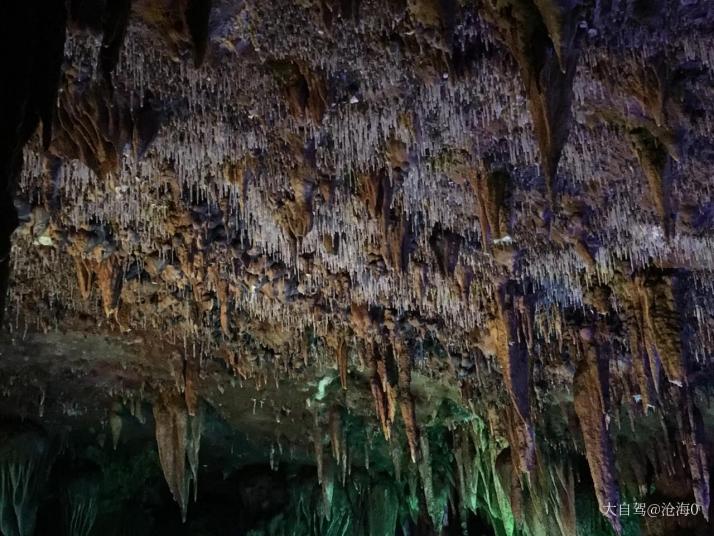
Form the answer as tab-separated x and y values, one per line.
470	241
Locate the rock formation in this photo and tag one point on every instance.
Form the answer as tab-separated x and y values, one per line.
452	260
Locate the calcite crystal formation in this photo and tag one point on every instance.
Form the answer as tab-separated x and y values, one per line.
502	204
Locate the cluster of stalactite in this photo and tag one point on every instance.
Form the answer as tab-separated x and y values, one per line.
466	469
520	185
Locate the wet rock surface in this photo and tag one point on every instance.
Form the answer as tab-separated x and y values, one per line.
367	267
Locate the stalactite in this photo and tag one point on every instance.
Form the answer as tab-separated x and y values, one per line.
116	423
221	287
591	401
33	36
93	126
661	327
512	353
269	213
406	399
379	396
541	37
658	168
338	439
342	365
193	445
191	374
85	277
197	17
493	189
446	246
562	490
427	480
337	344
693	438
110	278
116	21
178	437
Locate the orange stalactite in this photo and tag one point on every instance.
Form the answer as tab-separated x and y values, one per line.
591	405
85	277
171	439
661	327
510	332
380	407
110	280
342	366
338	346
192	371
381	401
406	399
